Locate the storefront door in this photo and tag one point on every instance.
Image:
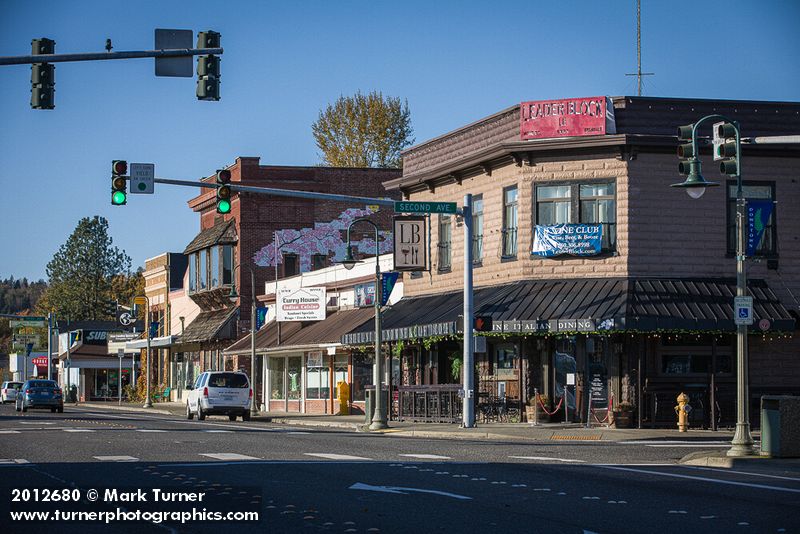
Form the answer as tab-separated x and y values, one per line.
285	383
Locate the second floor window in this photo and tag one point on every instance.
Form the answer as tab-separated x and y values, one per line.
318	261
202	270
192	272
582	203
291	265
444	242
477	229
510	195
598	205
768	245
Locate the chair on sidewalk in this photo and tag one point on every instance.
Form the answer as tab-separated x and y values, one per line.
165	395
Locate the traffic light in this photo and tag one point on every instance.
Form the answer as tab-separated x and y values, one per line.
43	80
686	150
208	71
726	148
111	308
119	182
223	191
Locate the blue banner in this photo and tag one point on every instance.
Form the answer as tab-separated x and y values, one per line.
574	239
758	214
153	329
261	317
388	280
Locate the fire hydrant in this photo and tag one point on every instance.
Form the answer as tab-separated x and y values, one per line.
683	409
344	397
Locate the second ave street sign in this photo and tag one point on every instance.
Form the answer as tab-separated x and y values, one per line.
425	207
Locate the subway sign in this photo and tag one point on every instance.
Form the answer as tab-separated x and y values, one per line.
425	207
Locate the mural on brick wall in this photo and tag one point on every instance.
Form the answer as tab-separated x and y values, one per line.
324	238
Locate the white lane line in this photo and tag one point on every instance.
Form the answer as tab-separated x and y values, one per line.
35	423
299	433
328	456
690	445
229	456
427	456
116	458
9	431
218	431
702	479
13	461
671	442
249	428
764	475
547	459
77	430
150	430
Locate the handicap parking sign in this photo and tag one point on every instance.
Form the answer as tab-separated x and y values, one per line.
743	310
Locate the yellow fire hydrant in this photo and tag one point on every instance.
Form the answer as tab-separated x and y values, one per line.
344	397
683	409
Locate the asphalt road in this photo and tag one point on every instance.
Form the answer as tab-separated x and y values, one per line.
301	479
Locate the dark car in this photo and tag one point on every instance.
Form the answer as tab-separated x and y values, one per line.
40	394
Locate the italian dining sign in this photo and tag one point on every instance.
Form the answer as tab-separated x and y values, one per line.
573	239
569	117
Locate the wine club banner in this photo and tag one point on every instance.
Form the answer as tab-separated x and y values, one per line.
573	239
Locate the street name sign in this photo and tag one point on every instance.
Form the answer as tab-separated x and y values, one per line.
743	310
27	322
142	178
425	207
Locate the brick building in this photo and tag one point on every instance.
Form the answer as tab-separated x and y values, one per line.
645	316
230	246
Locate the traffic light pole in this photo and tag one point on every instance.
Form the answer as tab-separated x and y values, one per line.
102	56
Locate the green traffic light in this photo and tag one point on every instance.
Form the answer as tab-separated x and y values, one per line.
118	198
224	206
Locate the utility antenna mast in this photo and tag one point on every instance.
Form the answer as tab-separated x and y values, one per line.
639	72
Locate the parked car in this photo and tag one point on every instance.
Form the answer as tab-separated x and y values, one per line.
219	393
40	394
8	391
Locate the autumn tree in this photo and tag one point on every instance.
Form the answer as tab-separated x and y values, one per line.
363	131
86	272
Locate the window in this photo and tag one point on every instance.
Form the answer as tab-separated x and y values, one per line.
755	191
510	222
277	378
681	364
477	229
444	242
202	271
583	203
228	380
598	205
506	355
317	376
227	265
291	265
192	272
339	370
318	261
215	279
362	374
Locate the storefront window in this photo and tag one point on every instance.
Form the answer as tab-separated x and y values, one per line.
317	376
339	369
277	368
362	374
506	356
678	364
564	363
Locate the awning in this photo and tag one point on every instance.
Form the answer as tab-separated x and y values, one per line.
223	232
208	326
155	343
305	336
585	305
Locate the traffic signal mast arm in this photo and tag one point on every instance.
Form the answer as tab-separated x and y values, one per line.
95	56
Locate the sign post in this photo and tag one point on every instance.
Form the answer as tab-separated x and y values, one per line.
120	355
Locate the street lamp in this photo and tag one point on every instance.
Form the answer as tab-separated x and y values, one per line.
142	299
379	417
234	297
742	443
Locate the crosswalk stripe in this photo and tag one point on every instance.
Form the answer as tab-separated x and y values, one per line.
335	456
427	456
228	456
116	458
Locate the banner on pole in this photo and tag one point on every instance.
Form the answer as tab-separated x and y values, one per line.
758	215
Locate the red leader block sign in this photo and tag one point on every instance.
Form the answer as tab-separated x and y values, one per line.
569	117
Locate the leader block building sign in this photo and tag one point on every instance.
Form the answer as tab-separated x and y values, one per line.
301	304
568	117
573	239
410	244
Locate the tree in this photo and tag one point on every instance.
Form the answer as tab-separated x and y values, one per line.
363	131
82	274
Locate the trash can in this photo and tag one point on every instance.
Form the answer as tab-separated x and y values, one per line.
780	426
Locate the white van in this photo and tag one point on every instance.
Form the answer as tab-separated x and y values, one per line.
219	393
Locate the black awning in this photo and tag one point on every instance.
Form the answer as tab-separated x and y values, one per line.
210	325
583	305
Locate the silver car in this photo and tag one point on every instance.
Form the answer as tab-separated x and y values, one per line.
9	390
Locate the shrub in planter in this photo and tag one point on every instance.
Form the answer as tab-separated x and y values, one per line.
624	415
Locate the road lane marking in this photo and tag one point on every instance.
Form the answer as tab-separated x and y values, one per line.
335	456
9	431
116	458
218	431
702	479
427	456
689	445
404	491
77	430
547	459
151	430
764	475
671	442
228	456
13	461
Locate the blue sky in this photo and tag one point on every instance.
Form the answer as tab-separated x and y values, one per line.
454	62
